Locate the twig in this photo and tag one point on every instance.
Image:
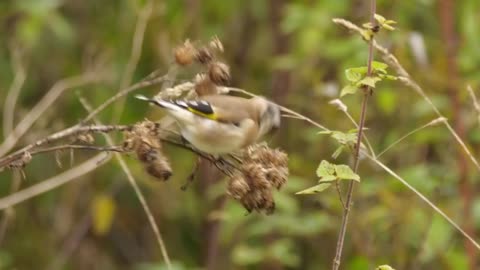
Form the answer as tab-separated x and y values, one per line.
54	182
148	81
476	105
404	77
14	91
356	160
43	105
137	43
73	131
137	191
429	124
427	201
78	146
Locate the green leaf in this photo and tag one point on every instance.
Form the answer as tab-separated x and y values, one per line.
325	169
390	77
345	173
345	138
379	65
348	90
315	189
388	27
352	75
379	18
369	81
385	267
367	34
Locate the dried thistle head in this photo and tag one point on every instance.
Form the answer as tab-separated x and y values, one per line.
185	54
216	44
263	169
144	140
219	73
238	187
204	56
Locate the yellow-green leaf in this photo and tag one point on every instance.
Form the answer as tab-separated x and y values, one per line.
345	173
369	81
348	90
325	169
103	212
379	18
315	189
385	267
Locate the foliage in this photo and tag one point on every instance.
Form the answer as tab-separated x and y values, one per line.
300	60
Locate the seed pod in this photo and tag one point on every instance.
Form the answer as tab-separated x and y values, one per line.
185	54
204	56
219	73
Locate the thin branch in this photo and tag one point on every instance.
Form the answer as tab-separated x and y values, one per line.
118	149
404	77
13	92
72	131
137	43
45	103
356	159
136	189
429	124
427	201
150	80
54	182
476	105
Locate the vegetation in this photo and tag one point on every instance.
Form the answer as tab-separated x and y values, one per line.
374	166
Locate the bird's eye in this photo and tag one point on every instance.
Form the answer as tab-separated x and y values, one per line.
236	124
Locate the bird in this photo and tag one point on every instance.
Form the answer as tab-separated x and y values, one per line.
221	124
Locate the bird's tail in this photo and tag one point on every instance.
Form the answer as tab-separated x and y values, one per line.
172	108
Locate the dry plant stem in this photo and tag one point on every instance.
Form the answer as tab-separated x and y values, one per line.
137	191
150	80
404	77
427	201
73	131
137	43
54	182
356	159
431	123
13	92
45	103
476	105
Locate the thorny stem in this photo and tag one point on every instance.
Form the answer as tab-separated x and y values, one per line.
356	160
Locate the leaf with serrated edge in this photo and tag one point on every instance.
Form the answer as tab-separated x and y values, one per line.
379	18
315	189
325	169
370	81
348	90
379	65
345	173
352	75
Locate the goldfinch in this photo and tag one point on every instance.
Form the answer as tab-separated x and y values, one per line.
220	124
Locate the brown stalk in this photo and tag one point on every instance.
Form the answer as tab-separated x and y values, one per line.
356	160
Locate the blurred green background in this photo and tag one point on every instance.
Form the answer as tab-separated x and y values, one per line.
291	52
